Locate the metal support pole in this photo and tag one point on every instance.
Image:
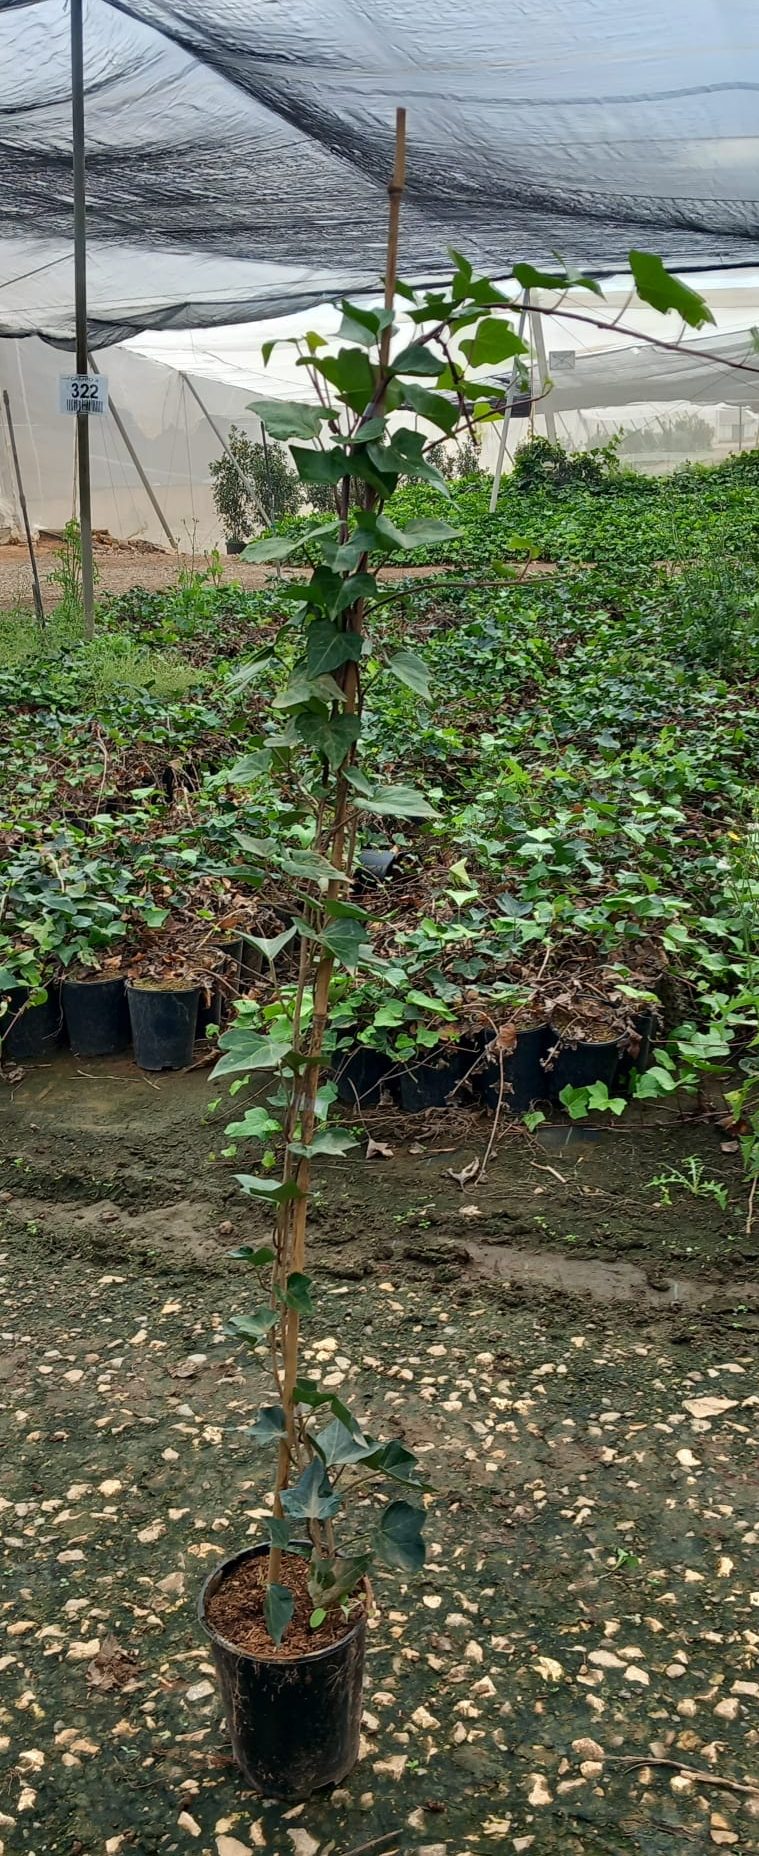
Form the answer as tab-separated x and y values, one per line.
144	480
252	492
536	327
80	308
511	393
36	588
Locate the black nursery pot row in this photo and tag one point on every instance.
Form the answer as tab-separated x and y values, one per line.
102	1017
455	1073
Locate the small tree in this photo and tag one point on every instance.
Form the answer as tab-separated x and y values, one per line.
255	484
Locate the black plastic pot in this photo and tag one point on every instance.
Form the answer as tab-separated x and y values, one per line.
29	1031
583	1063
430	1082
96	1016
225	988
361	1074
524	1078
235	547
294	1725
163	1024
645	1025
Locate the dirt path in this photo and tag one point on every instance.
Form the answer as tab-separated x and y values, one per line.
592	1528
119	568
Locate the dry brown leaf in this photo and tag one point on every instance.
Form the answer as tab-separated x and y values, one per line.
466	1176
112	1668
378	1150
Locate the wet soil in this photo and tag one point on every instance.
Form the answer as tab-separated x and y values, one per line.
576	1669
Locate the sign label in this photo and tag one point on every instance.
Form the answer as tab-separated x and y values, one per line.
82	393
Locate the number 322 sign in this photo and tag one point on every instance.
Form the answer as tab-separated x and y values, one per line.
79	393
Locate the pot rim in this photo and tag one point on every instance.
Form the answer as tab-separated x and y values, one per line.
274	1662
143	986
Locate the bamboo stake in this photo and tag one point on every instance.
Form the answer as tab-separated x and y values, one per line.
293	1235
36	589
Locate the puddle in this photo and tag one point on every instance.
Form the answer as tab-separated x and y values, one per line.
603	1282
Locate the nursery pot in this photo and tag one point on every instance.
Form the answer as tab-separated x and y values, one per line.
225	987
294	1723
645	1025
96	1015
582	1063
235	547
36	1028
524	1079
428	1083
163	1021
361	1076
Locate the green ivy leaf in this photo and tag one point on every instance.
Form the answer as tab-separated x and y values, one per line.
252	1328
328	647
332	737
337	1444
278	1529
494	341
277	1191
248	1050
320	466
346	939
331	1580
317	1617
312	1497
400	1542
298	1293
269	1425
245	1253
307	1392
398	802
411	669
270	948
657	286
279	1606
285	419
434	407
417	359
329	1141
397	1462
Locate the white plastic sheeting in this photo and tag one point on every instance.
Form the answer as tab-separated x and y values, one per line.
237	154
169	432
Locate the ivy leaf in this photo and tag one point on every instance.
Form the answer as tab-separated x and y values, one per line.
657	286
434	407
411	669
245	1253
312	1497
347	940
248	1050
331	1580
327	647
363	325
298	1293
353	374
268	1425
494	341
310	866
399	1539
417	359
329	1141
278	1529
530	279
398	802
396	1461
320	466
337	1445
253	1328
279	1606
270	948
289	418
332	737
425	533
277	1191
272	548
307	1392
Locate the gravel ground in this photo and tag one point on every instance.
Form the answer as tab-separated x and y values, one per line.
577	1669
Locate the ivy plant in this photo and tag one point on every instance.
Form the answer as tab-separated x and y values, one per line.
356	436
